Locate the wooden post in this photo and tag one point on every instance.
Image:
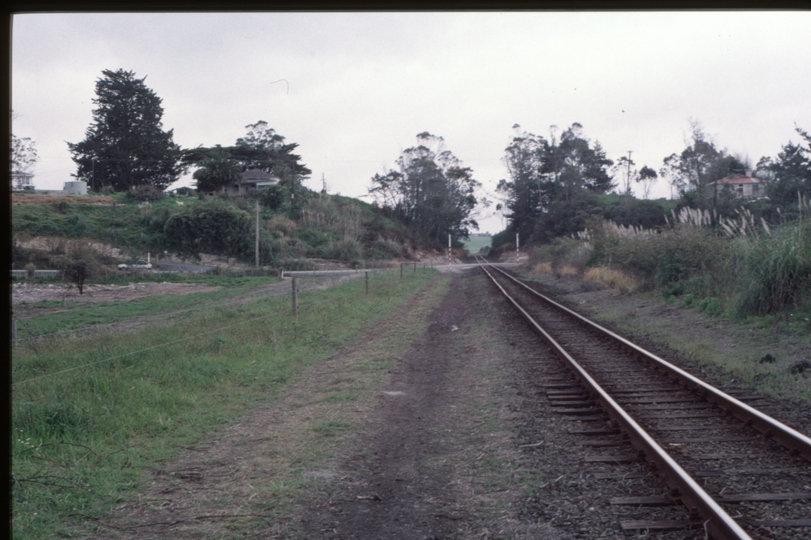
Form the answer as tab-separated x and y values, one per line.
401	270
516	247
295	296
367	282
415	267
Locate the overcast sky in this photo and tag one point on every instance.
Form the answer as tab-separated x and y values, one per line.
357	87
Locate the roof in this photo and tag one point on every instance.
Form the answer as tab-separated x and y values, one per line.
256	175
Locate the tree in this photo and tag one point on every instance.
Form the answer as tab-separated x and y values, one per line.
529	162
581	164
790	172
79	264
432	192
547	176
263	149
217	169
126	146
699	165
646	176
23	153
625	167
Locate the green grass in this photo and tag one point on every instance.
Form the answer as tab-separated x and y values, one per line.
91	417
82	315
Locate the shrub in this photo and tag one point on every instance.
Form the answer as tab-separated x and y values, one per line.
79	264
345	250
774	271
311	237
385	249
564	255
213	226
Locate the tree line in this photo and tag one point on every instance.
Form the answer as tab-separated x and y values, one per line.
553	183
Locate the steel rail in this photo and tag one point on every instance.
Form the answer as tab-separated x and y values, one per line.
792	439
684	488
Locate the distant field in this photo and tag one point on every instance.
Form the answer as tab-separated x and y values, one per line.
476	243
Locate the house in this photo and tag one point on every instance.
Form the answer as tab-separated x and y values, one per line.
251	179
21	180
743	186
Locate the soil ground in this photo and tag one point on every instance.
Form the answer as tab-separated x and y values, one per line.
431	426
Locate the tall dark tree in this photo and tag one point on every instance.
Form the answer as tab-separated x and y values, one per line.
581	164
549	179
431	191
126	145
527	192
790	172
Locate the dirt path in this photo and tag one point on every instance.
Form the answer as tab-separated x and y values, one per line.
407	434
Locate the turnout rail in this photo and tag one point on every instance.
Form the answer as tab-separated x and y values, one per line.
649	399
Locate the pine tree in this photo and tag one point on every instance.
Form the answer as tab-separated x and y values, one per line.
126	146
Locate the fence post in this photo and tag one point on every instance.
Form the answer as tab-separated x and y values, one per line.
367	282
295	296
415	267
401	270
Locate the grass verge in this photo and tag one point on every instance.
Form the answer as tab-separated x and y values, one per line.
76	315
90	415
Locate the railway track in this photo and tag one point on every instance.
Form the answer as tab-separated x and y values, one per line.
732	470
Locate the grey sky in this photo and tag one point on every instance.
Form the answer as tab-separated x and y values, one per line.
360	86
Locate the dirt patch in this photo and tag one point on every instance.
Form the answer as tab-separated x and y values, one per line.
23	295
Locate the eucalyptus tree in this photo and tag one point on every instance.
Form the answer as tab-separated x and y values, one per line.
552	185
431	191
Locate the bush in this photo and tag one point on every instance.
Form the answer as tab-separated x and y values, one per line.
675	255
385	249
564	255
213	226
344	250
774	271
79	264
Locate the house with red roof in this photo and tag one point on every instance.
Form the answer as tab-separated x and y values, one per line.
743	186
